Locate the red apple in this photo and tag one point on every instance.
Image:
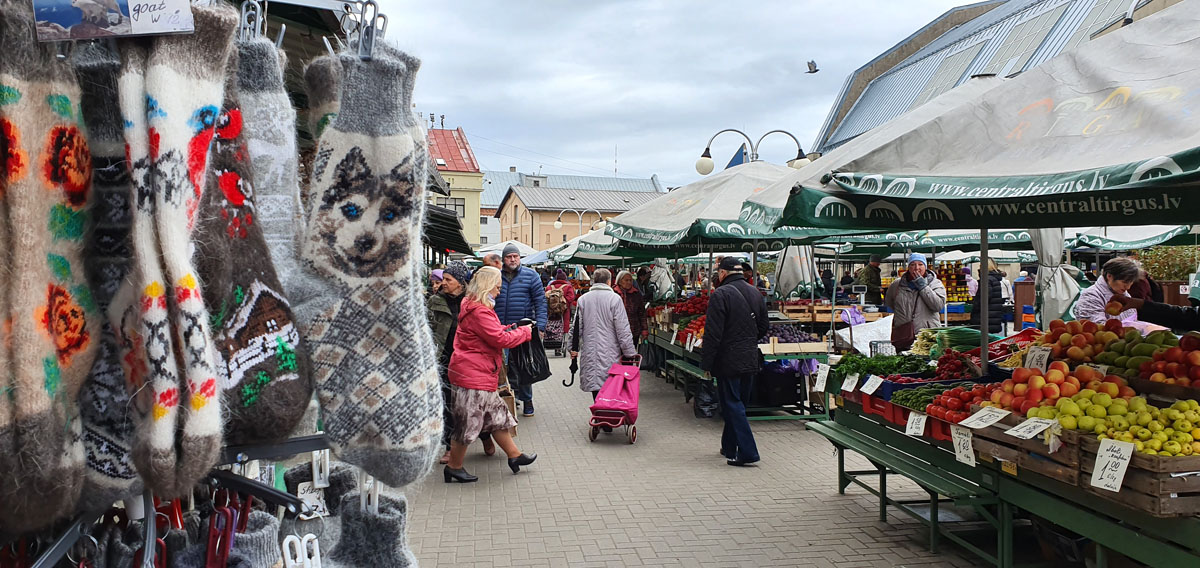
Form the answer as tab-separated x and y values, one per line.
1036	382
1035	395
1026	406
1193	357
1051	391
1174	355
1069	388
1020	389
1060	365
1127	392
1007	400
1111	388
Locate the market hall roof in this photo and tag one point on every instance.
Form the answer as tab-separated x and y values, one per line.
559	199
451	152
496	184
1008	39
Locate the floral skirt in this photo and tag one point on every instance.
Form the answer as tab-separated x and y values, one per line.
478	411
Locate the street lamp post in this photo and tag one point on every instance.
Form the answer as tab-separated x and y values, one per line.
705	165
558	222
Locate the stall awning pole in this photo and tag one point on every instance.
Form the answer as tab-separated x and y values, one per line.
983	302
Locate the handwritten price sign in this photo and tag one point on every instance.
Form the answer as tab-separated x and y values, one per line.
822	377
964	451
1112	459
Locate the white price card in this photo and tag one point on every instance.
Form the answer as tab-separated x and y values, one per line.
964	451
1038	358
689	342
314	497
850	383
1112	459
916	424
1029	428
1102	369
822	376
674	333
873	383
985	417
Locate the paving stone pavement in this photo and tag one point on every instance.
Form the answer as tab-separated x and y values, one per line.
668	500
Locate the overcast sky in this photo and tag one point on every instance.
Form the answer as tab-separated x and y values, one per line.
562	84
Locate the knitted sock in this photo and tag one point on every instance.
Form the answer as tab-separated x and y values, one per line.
374	539
14	166
108	427
183	122
322	88
343	478
258	546
264	392
370	343
53	318
123	545
138	313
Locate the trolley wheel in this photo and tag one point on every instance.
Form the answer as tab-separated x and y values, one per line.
632	434
593	433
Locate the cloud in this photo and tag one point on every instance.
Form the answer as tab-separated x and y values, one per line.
528	80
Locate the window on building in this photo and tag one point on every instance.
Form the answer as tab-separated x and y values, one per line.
564	238
457	204
514	212
537	183
547	238
1023	41
483	240
483	220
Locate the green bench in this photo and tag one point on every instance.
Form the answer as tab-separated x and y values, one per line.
935	481
680	373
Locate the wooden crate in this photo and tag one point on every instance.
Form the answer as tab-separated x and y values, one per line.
1026	461
1032	454
1148	485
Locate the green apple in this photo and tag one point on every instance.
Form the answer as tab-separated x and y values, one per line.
1144	434
1119	423
1117	409
1155	426
1143	418
1103	399
1154	444
1068	422
1172	447
1183	425
1160	436
1069	407
1137	404
1097	411
1087	423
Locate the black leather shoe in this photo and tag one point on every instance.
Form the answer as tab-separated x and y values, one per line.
459	475
516	463
738	462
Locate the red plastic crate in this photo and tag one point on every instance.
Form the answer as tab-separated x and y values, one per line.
877	406
938	429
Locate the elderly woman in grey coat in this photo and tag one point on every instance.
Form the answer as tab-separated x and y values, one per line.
600	335
916	298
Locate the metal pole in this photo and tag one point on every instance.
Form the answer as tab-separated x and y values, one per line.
983	303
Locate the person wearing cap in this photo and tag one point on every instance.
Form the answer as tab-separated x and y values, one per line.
870	277
916	298
736	318
972	283
521	296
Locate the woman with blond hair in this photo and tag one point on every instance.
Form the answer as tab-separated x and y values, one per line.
474	373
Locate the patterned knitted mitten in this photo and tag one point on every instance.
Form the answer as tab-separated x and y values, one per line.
374	539
182	125
370	342
264	391
108	426
54	321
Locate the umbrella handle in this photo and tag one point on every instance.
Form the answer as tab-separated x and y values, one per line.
566	384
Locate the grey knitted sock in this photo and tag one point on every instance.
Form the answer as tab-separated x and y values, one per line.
258	546
374	539
123	545
108	425
343	478
370	344
322	82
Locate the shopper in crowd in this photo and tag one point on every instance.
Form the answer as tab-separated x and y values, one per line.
680	280
560	303
635	305
1006	290
870	277
1166	315
1022	277
522	296
435	280
544	274
473	373
702	279
600	335
1146	288
847	279
736	318
1118	276
443	321
643	281
972	283
492	259
916	298
995	299
828	284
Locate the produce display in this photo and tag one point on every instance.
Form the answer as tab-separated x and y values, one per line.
926	340
880	365
1029	389
1171	431
693	326
1161	356
789	334
953	365
935	400
694	306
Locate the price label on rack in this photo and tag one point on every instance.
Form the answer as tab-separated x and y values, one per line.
674	333
873	383
1102	369
314	497
1029	428
850	383
964	450
985	417
822	377
1038	358
1112	459
916	424
689	342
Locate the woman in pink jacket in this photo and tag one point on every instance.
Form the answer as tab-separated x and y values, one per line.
474	374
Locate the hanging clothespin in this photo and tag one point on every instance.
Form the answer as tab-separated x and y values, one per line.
279	38
368	492
312	550
320	469
372	26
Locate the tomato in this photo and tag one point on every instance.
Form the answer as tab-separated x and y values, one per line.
929	408
954	404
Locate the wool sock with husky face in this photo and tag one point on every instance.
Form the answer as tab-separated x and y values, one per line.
265	390
108	423
54	321
182	123
382	404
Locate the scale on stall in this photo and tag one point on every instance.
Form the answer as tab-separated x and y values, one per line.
861	291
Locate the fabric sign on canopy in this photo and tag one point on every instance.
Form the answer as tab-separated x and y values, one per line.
1132	238
1108	132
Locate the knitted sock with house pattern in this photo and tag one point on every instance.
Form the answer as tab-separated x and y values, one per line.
265	389
108	424
382	403
53	319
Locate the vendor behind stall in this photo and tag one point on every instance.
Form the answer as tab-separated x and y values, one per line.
1118	275
916	297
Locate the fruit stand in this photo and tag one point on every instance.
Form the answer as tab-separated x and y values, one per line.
1069	440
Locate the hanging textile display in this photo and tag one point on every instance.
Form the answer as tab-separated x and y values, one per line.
1057	283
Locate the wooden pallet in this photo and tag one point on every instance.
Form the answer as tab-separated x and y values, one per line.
1149	485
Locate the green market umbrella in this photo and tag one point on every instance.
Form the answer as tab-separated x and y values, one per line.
1133	238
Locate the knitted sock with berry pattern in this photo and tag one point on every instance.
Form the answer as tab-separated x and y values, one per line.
108	426
183	122
138	313
55	323
322	88
382	403
265	390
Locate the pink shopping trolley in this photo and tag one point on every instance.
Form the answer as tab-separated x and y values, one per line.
617	402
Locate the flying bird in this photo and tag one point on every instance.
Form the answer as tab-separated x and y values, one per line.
812	67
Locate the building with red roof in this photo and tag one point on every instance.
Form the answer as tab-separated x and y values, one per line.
455	161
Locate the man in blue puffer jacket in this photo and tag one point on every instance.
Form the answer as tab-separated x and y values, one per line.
521	296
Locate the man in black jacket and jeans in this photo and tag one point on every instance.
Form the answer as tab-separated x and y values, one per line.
736	318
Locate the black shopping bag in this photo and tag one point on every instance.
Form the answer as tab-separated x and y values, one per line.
527	363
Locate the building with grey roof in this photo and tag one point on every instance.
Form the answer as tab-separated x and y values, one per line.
528	213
